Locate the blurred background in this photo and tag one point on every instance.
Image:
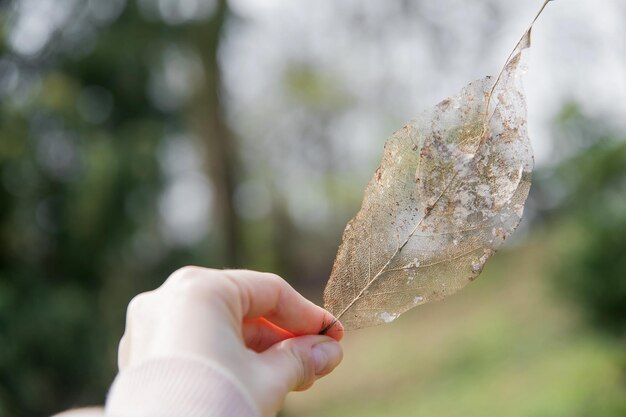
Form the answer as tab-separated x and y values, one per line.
137	136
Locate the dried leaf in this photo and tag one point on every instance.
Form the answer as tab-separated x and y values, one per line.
449	191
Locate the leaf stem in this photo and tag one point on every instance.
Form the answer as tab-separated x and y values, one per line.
508	60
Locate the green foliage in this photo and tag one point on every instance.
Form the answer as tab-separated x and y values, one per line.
593	201
80	182
594	272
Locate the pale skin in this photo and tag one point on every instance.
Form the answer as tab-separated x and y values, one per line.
252	323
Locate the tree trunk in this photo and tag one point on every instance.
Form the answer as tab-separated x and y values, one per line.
208	119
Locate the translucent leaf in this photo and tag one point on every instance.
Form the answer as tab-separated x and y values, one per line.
449	191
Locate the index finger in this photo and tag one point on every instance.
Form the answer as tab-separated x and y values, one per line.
269	296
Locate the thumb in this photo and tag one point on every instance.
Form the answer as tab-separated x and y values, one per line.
298	362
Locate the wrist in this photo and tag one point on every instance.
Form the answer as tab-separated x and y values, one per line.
182	385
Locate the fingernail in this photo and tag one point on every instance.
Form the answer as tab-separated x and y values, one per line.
326	356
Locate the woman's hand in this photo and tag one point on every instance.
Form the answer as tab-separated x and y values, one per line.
252	324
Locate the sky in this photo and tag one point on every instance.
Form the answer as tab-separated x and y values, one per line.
391	59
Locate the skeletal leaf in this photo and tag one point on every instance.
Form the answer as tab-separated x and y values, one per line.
449	191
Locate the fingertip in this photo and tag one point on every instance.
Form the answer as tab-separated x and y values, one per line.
300	361
326	356
335	329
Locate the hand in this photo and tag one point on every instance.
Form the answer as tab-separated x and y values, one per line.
254	324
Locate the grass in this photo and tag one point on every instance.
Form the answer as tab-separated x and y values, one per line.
504	346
